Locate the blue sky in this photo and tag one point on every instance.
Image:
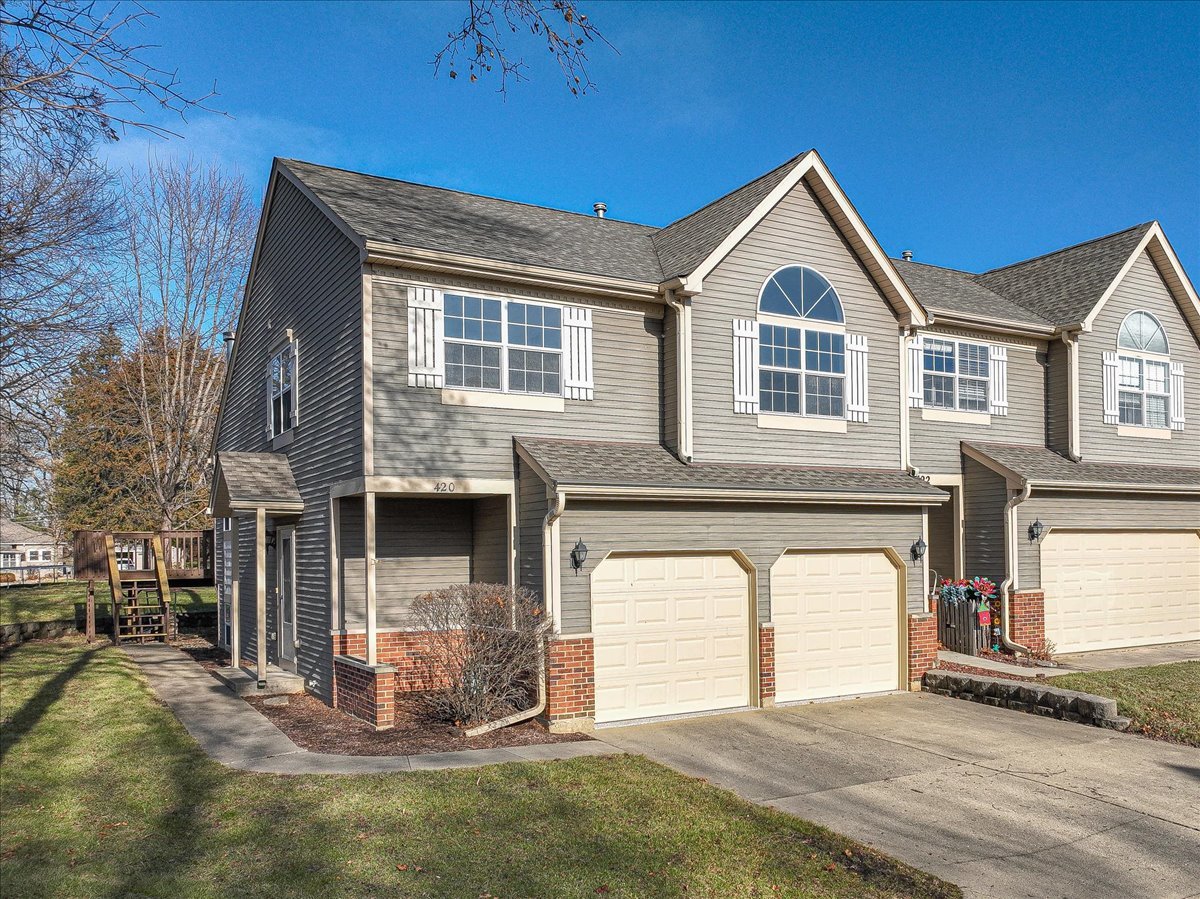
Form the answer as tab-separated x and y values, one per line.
975	134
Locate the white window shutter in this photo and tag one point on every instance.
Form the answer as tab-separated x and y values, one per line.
426	344
745	366
1176	396
295	383
856	377
1111	413
577	353
916	373
998	380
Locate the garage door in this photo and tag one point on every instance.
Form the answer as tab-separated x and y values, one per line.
1107	589
671	635
837	625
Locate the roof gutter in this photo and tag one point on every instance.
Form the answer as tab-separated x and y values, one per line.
1010	565
685	494
998	325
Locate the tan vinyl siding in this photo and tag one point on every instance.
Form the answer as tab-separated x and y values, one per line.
307	278
796	231
759	530
935	444
1116	511
985	494
532	506
942	524
492	538
1058	389
416	435
1142	288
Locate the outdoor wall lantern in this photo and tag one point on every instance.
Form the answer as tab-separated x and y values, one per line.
1036	530
579	555
918	549
269	542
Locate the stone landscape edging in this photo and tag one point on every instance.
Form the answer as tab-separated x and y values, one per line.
1027	696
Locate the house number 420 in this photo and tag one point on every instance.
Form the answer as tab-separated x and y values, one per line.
443	487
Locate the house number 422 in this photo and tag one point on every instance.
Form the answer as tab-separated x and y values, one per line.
443	487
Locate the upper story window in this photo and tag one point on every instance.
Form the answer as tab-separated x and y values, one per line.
500	345
955	375
801	365
1144	372
283	389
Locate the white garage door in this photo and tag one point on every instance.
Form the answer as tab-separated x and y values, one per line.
837	625
1107	589
671	635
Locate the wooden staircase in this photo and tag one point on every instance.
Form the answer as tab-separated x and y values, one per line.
141	607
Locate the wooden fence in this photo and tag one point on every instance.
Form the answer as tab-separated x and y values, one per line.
187	555
959	629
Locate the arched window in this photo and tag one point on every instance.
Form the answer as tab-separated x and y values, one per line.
803	292
1144	372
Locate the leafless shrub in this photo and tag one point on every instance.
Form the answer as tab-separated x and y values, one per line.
484	646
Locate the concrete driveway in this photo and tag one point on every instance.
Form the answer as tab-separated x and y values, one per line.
1134	657
1002	803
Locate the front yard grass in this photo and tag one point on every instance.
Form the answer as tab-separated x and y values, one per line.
1163	701
23	603
104	793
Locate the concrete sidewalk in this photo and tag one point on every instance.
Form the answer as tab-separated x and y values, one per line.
1075	662
234	733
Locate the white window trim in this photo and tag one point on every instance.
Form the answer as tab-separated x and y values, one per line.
789	421
287	351
937	413
505	346
495	399
956	376
801	325
1143	357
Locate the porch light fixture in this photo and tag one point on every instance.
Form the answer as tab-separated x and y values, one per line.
918	549
579	555
269	542
1036	530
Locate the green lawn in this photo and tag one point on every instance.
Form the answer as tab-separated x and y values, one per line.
56	602
104	793
1163	700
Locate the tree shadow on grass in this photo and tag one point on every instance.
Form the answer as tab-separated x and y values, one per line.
36	707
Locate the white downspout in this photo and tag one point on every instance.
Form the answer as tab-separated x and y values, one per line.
550	563
1071	340
1010	563
906	334
683	374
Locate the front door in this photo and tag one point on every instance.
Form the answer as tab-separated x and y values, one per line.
286	583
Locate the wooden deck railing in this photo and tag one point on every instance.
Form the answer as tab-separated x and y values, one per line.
187	555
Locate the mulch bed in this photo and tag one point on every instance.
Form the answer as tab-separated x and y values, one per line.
970	669
203	650
1021	661
315	726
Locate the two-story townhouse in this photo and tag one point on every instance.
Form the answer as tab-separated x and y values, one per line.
1079	492
713	450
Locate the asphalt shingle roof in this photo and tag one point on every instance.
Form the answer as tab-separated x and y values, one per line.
258	478
15	532
1044	466
949	290
592	463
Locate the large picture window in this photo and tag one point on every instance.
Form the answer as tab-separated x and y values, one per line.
955	375
1144	372
502	345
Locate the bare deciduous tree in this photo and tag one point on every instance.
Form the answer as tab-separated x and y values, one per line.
482	40
190	235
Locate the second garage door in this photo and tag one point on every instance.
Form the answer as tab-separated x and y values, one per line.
1108	589
671	635
837	630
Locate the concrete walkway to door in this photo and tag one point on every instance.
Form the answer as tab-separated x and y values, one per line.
1002	803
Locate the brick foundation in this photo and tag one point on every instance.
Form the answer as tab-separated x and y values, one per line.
1027	619
766	665
922	646
365	691
570	684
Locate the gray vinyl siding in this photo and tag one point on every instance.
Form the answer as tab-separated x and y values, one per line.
670	384
935	444
1058	390
1121	511
308	278
531	505
1142	288
492	538
796	231
415	434
761	531
985	494
942	524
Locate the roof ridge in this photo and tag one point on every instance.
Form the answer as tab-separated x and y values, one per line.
467	193
944	268
1074	246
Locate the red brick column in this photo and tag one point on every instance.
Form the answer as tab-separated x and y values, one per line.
766	665
406	651
365	691
570	684
922	646
1027	619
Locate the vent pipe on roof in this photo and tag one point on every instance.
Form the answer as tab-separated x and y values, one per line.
600	209
907	255
228	337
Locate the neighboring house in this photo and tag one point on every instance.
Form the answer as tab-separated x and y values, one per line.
731	413
25	551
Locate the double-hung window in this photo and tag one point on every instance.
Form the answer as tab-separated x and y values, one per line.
1144	372
510	346
801	371
283	390
955	375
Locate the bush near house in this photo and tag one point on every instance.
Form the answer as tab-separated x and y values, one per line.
105	794
56	602
1163	701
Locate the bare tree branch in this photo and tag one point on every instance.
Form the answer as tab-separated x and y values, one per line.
482	40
